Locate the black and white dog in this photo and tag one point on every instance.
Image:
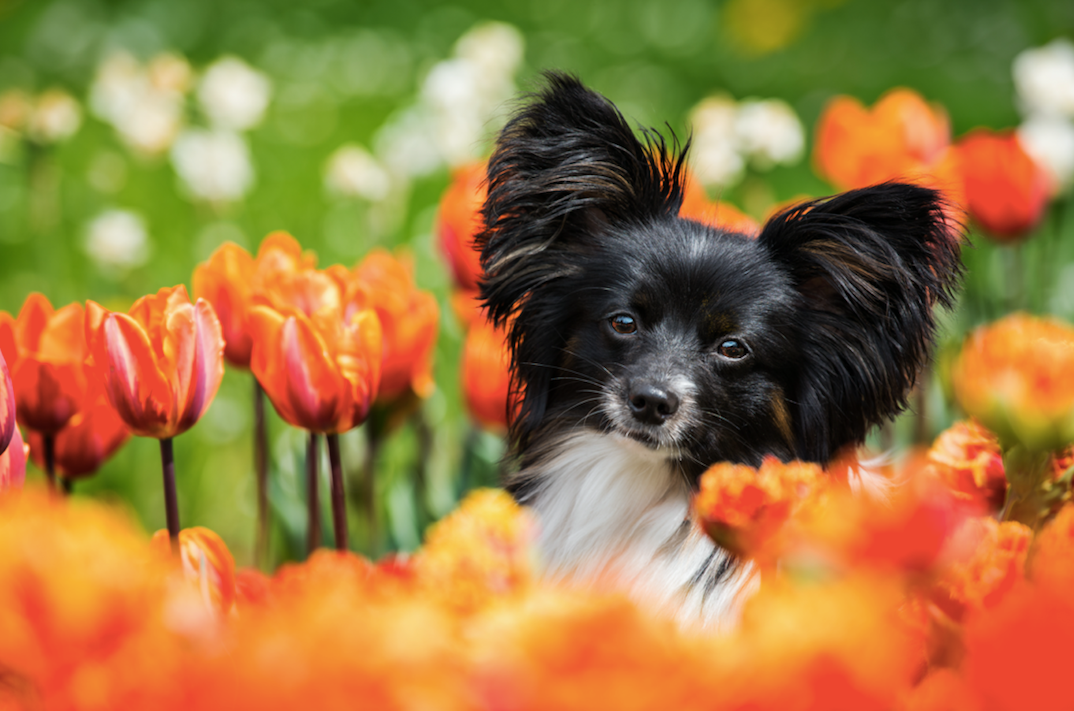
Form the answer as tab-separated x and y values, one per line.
647	346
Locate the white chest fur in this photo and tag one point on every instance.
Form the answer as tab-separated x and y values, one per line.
615	512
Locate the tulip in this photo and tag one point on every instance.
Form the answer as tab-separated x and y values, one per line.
409	319
486	375
160	365
1014	376
91	437
317	353
715	213
7	406
968	459
1006	191
461	220
206	562
45	350
902	136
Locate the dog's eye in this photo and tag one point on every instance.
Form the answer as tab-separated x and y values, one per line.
621	323
735	350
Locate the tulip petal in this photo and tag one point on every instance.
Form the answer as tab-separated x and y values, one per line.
359	362
33	320
124	357
9	347
7	406
13	463
197	379
47	394
225	282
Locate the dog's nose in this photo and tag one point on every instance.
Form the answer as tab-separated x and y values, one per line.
651	404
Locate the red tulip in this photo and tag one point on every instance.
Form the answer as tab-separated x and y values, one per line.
409	319
1006	191
45	350
161	364
317	350
90	438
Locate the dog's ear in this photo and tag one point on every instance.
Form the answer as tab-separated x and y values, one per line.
870	265
566	167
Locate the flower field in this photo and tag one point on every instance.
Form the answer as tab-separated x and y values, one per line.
252	414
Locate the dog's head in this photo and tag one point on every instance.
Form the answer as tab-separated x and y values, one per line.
702	344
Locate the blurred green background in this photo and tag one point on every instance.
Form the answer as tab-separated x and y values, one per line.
359	72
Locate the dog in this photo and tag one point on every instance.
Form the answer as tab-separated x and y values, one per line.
646	347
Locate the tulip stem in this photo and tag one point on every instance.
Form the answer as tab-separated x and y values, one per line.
339	503
261	467
67	485
171	500
49	445
313	533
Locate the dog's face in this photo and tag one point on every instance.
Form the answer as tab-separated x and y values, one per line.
678	337
698	344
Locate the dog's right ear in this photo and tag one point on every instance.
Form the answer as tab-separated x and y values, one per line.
566	167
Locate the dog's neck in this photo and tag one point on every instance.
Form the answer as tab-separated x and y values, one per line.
613	511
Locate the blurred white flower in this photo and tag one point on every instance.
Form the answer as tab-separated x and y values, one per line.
117	239
714	152
353	172
1049	140
213	165
496	48
1044	78
769	132
234	95
405	145
144	105
56	117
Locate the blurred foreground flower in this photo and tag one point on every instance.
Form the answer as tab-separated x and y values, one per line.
745	509
901	137
1044	78
1004	189
1014	376
206	562
968	459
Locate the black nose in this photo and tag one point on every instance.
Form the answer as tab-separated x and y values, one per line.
651	403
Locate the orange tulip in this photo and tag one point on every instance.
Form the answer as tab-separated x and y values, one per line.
744	509
486	374
45	350
317	349
161	363
461	220
231	277
7	406
993	561
715	213
902	136
1014	376
967	458
1006	191
206	562
409	319
91	437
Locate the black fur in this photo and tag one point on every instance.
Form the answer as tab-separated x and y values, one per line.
833	301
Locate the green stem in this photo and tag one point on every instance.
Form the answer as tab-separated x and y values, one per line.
1030	491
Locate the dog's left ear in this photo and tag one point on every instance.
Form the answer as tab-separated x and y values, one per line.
869	265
